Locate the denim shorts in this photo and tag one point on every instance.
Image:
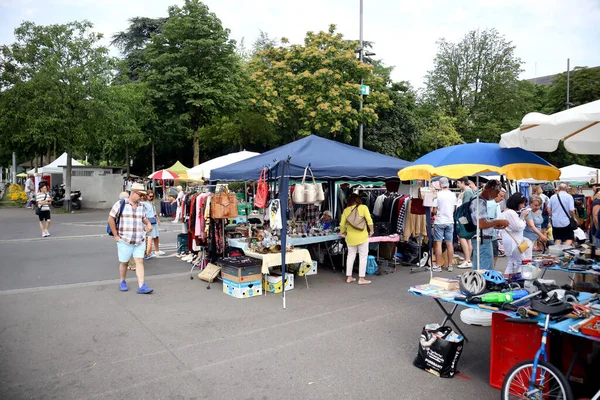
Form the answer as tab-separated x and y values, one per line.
486	256
126	250
443	232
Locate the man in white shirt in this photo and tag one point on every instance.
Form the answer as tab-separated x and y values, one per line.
560	213
443	225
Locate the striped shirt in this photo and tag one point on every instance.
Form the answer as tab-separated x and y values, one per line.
42	197
131	225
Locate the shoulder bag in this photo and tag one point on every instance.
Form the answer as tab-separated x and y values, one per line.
308	193
523	246
262	190
572	223
356	220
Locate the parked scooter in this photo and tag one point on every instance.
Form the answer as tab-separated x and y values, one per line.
58	197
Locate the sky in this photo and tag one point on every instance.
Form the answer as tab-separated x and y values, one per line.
404	33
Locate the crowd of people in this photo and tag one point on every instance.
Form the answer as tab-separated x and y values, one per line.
513	227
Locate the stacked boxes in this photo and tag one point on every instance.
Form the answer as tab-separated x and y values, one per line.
303	268
242	277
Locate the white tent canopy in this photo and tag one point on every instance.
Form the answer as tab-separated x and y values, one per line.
56	166
579	173
203	170
578	127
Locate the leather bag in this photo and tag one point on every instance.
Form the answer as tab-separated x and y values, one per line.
523	246
308	193
262	190
572	222
356	220
223	205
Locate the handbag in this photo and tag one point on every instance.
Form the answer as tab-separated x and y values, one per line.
308	193
356	220
152	220
523	246
223	205
262	190
572	222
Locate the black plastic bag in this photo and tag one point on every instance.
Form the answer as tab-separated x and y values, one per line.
437	355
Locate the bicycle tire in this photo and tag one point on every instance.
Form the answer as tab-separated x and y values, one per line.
514	378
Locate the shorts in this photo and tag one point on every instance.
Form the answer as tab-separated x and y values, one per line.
44	215
486	256
443	232
563	234
126	250
154	232
495	250
545	222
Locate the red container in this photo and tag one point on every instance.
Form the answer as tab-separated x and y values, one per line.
511	344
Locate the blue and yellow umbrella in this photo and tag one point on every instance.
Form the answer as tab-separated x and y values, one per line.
475	158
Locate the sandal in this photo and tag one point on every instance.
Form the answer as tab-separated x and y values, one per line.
350	280
131	268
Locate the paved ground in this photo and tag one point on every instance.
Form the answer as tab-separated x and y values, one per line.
66	332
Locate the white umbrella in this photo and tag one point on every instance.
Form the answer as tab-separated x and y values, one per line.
203	170
578	127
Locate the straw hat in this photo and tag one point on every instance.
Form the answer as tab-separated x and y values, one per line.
138	187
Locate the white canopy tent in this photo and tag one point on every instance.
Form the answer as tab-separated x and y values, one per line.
578	128
56	166
203	170
579	173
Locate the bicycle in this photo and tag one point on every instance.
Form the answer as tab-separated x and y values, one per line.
537	379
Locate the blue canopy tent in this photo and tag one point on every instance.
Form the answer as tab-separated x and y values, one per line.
328	159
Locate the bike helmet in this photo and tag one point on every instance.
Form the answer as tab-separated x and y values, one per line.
494	277
472	283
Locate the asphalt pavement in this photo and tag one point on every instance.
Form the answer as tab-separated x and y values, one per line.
66	332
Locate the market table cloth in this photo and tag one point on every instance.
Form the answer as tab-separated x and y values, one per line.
296	241
274	259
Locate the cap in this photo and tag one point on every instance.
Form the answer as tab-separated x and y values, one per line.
444	182
138	187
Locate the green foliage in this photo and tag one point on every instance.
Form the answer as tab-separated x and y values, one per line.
194	68
584	88
314	88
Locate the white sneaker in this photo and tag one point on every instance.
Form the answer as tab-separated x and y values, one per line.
44	234
465	265
159	253
47	232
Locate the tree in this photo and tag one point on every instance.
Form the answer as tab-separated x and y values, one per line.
476	82
584	87
314	88
66	70
395	132
194	68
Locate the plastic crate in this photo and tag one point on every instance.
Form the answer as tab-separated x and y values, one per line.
511	344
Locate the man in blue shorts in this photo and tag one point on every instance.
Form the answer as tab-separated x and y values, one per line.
130	235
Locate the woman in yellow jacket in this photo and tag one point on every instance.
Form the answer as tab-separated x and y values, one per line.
356	239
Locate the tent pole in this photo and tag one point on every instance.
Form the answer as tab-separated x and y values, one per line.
477	234
283	202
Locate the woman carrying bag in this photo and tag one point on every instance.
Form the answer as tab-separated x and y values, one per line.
515	246
355	219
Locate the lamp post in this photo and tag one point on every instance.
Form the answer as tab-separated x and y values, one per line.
360	129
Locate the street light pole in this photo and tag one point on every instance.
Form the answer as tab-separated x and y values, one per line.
360	129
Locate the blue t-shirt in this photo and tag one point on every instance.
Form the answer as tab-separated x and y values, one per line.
537	221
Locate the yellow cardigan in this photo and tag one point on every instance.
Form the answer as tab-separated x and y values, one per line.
354	237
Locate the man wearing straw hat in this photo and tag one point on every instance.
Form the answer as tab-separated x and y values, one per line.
131	235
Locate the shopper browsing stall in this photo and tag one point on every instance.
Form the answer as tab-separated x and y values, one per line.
512	236
493	208
443	225
535	221
465	244
486	225
562	208
353	226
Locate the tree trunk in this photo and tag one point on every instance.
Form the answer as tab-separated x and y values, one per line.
55	148
127	160
68	179
153	157
48	155
34	163
196	146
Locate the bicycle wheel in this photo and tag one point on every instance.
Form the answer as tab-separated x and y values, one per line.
549	383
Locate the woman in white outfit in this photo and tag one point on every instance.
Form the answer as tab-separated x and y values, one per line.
512	236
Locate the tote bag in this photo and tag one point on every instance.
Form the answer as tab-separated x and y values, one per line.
308	193
262	190
356	220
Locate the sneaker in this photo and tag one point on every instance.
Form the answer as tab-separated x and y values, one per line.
465	265
159	253
44	234
149	256
123	286
47	233
144	289
436	268
450	268
501	254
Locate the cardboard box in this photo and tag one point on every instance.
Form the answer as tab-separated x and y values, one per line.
242	290
241	271
241	279
447	284
303	269
272	283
